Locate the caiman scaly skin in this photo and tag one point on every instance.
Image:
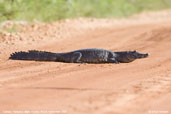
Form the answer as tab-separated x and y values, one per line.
90	55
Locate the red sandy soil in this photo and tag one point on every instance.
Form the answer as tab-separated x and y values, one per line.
140	87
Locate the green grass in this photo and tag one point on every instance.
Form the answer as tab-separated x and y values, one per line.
51	10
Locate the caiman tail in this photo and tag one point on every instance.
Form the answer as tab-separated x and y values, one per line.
34	55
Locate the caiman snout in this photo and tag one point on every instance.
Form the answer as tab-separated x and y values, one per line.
143	55
146	55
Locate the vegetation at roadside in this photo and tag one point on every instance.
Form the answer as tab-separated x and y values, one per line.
51	10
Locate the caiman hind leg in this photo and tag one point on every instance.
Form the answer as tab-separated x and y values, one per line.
76	57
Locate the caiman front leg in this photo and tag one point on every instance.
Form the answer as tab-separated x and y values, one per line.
113	60
76	57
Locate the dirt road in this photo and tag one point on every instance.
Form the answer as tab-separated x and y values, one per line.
140	87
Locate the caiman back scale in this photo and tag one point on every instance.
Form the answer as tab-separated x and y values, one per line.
91	55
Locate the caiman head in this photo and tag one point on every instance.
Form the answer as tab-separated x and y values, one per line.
132	55
137	55
129	56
